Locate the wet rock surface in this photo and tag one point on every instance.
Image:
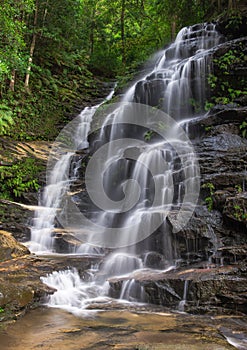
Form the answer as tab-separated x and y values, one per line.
126	330
203	289
20	286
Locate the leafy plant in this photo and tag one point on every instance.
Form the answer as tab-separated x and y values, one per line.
239	213
234	21
239	188
209	199
6	119
148	135
243	128
19	178
208	105
212	80
208	128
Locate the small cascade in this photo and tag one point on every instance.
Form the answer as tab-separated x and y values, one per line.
120	264
132	291
61	174
43	222
72	293
183	301
58	183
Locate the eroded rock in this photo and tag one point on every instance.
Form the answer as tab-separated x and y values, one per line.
10	248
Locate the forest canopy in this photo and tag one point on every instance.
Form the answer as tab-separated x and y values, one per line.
50	51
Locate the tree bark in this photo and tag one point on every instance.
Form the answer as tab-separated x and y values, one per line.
12	81
32	47
123	32
173	28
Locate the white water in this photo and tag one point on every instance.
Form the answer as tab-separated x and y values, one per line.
183	301
58	183
180	75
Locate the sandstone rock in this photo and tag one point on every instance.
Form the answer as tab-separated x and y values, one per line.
10	248
20	284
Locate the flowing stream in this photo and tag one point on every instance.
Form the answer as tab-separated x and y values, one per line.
165	169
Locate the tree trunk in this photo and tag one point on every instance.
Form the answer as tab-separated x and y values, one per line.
173	28
92	28
12	81
32	47
123	32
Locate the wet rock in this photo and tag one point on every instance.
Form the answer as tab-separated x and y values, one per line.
235	208
150	92
16	218
20	284
10	248
65	242
218	290
155	260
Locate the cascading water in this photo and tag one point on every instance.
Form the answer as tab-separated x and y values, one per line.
178	86
58	183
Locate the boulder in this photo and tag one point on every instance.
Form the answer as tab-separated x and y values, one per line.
10	248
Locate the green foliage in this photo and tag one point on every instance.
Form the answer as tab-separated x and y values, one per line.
196	106
208	105
212	80
72	39
229	58
239	213
225	84
6	119
148	135
1	310
239	188
209	199
243	128
234	21
19	178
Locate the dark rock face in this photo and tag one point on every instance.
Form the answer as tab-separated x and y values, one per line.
223	289
65	242
146	92
16	219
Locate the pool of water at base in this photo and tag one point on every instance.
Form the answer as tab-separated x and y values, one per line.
51	328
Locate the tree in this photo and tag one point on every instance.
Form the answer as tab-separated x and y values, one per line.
12	40
32	46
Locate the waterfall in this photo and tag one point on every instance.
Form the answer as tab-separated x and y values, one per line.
61	173
141	171
183	301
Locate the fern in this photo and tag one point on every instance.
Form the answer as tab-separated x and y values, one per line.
6	119
243	128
